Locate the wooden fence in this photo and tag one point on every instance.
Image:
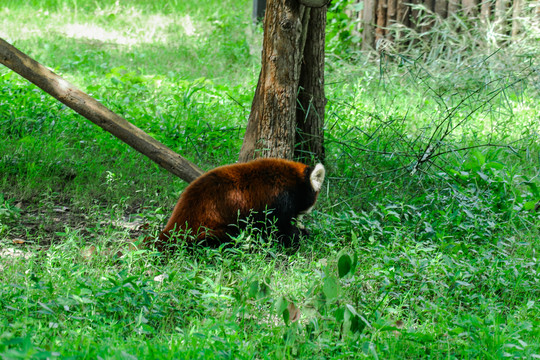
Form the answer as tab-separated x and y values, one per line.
378	15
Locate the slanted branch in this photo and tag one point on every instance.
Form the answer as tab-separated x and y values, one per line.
96	112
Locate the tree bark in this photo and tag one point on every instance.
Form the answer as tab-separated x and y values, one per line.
470	7
311	97
378	15
428	23
94	111
485	10
500	16
272	122
413	19
430	4
314	3
516	12
391	16
380	31
440	8
368	40
453	6
403	13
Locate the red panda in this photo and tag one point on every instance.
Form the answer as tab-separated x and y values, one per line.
212	205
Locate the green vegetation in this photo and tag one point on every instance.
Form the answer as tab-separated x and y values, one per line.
424	242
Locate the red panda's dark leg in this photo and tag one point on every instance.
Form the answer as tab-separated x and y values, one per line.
288	233
285	209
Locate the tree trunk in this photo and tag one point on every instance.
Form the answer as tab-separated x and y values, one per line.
368	40
271	129
391	15
470	7
378	15
380	31
414	18
94	111
258	10
441	7
453	6
428	23
516	12
403	12
271	124
311	98
500	15
485	10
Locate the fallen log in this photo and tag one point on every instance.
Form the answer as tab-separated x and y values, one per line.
96	112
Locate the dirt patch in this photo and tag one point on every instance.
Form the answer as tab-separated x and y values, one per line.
49	223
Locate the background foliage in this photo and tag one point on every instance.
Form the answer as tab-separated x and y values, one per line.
424	242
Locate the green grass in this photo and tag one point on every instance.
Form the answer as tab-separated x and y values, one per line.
424	242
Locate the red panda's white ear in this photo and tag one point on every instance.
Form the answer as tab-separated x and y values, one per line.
317	177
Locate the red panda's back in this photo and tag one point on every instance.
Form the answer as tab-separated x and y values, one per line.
219	197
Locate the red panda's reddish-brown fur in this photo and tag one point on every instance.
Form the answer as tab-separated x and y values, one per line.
211	206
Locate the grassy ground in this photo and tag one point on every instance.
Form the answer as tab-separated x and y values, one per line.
424	243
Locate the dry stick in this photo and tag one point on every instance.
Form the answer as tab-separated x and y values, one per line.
96	112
